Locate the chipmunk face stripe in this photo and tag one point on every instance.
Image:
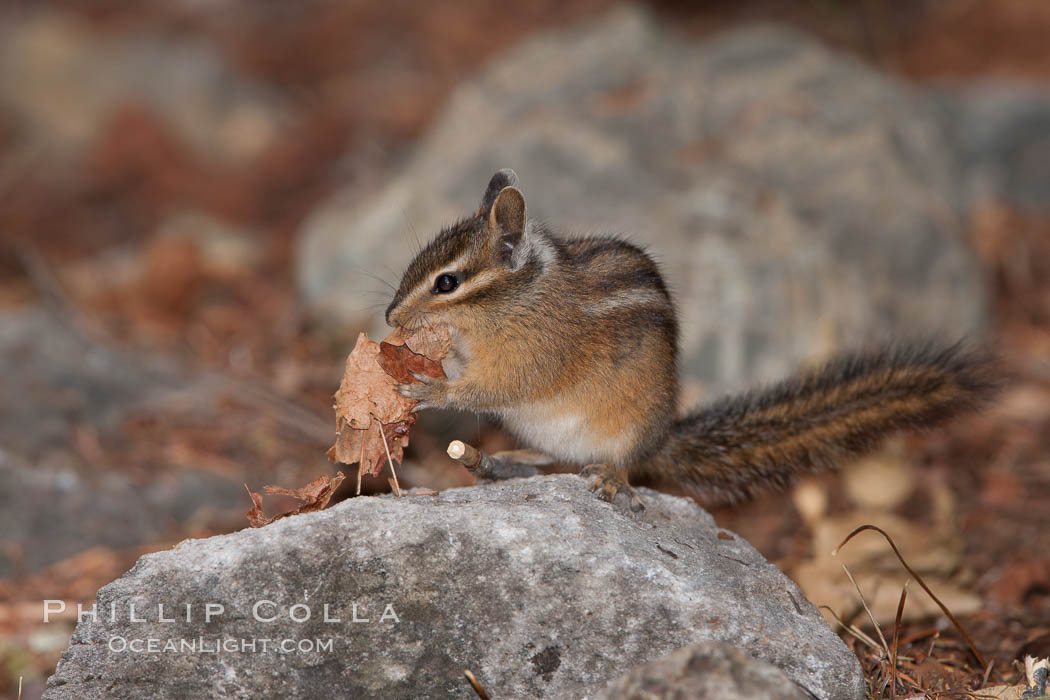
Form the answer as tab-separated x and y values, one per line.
492	286
455	250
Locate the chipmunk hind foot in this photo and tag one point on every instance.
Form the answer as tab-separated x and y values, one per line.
608	481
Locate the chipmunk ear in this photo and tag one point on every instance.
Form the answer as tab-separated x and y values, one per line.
503	178
508	225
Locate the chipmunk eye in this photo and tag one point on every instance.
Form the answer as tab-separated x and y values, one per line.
445	283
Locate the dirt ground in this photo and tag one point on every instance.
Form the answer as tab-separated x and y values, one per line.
977	494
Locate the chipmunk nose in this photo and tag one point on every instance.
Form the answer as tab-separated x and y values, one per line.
390	317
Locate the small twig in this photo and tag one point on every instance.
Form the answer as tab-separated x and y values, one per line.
933	643
896	639
969	640
853	630
389	459
987	672
468	456
912	682
475	685
361	465
502	465
871	615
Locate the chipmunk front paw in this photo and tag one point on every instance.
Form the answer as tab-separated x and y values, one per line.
430	392
607	481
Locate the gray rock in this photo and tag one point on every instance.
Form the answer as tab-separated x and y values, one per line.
64	381
534	585
53	501
1000	134
54	508
798	199
60	81
58	499
705	671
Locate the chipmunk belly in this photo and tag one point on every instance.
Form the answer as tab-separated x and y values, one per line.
565	433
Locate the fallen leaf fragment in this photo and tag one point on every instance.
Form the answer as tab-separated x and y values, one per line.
315	496
1000	692
256	517
372	419
430	341
366	401
400	362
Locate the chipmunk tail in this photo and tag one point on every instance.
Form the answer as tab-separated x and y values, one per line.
738	446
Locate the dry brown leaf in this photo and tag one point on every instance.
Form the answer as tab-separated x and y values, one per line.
430	341
366	400
256	517
367	390
315	496
399	361
310	493
372	418
1001	692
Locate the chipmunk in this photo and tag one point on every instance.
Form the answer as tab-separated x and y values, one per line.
572	342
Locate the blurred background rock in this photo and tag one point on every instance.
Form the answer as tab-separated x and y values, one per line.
799	200
201	203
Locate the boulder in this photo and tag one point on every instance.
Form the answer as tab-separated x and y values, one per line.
705	671
55	501
61	81
534	585
1000	135
69	399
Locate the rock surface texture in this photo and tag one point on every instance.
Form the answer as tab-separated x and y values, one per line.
798	199
1000	133
53	502
61	84
56	497
534	585
705	670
